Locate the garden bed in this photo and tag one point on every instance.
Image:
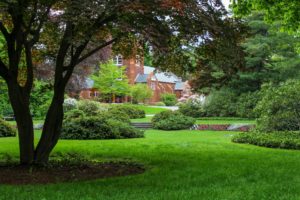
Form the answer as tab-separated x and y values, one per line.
224	127
65	172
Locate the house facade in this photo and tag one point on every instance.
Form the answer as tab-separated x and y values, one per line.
137	73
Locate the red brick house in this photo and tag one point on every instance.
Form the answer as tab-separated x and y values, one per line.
137	73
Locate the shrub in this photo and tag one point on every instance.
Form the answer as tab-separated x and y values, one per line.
140	93
192	109
160	104
132	111
169	99
221	103
246	104
89	107
74	114
284	140
169	120
279	108
98	128
6	130
116	115
70	104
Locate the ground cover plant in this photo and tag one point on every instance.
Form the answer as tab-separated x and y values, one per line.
179	165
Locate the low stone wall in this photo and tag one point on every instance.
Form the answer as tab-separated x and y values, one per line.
224	127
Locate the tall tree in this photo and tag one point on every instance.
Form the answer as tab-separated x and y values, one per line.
68	32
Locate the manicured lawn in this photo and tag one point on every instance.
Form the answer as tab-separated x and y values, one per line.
180	165
151	110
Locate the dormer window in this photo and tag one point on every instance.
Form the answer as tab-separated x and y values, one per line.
137	60
118	60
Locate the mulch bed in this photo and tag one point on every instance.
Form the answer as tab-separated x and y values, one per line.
56	173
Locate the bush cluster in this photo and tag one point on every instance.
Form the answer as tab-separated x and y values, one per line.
192	109
132	111
279	109
277	139
6	130
170	120
98	127
169	99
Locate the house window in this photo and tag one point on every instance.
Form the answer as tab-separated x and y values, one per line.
96	94
118	60
152	86
137	60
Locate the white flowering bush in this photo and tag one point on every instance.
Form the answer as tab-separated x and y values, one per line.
70	104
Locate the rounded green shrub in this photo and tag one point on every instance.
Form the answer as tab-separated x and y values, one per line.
221	103
192	109
279	108
170	120
6	130
160	104
98	128
132	111
74	114
169	99
89	107
246	104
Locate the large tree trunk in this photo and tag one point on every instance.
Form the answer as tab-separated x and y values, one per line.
20	105
51	129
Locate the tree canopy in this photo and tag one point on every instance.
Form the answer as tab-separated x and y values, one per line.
64	34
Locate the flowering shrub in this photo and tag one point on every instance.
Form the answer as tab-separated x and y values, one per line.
70	104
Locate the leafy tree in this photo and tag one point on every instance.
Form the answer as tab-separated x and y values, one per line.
286	11
75	30
140	93
111	80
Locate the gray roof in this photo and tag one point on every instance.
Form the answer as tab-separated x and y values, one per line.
165	77
179	85
141	78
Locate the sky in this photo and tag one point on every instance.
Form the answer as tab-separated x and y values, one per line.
226	3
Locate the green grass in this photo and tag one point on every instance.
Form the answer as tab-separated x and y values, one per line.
181	165
208	120
151	110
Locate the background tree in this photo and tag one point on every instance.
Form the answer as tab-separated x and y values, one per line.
140	93
75	30
111	80
287	11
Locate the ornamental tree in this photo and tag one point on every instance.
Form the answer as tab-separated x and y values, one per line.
65	33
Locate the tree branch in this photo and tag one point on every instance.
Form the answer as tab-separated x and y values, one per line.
82	58
4	31
3	71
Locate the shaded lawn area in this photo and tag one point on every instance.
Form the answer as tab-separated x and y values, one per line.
180	165
209	120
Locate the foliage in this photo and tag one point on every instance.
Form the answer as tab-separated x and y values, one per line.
288	9
6	130
140	93
98	128
74	114
132	111
279	108
221	103
246	103
111	80
170	120
69	104
276	139
192	109
169	99
160	103
5	107
89	107
40	98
